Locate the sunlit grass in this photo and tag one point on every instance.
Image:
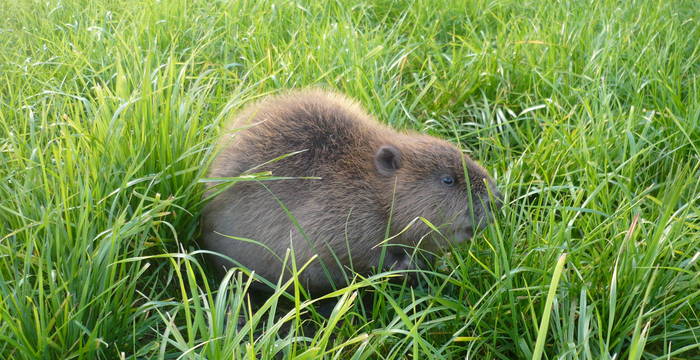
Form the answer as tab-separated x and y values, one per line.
587	113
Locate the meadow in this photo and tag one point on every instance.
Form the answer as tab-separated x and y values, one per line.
587	114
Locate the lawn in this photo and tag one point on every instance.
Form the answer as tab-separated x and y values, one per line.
586	113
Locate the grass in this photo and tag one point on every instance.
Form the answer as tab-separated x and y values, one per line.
587	113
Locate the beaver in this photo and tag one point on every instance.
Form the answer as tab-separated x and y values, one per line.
350	184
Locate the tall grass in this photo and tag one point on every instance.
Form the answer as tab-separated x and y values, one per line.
586	112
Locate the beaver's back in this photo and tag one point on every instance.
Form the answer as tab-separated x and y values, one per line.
333	134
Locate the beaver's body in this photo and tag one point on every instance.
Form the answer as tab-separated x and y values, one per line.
368	174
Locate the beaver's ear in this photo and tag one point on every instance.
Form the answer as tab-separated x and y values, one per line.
387	159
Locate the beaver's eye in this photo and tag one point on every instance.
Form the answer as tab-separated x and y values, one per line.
448	180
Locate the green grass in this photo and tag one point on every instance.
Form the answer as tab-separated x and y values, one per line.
587	113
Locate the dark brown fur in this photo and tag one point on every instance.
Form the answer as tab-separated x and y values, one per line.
344	215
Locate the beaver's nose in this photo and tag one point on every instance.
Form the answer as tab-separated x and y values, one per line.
490	203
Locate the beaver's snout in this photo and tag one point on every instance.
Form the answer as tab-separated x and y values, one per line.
486	207
493	201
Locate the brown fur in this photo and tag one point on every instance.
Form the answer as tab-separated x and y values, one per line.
345	214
